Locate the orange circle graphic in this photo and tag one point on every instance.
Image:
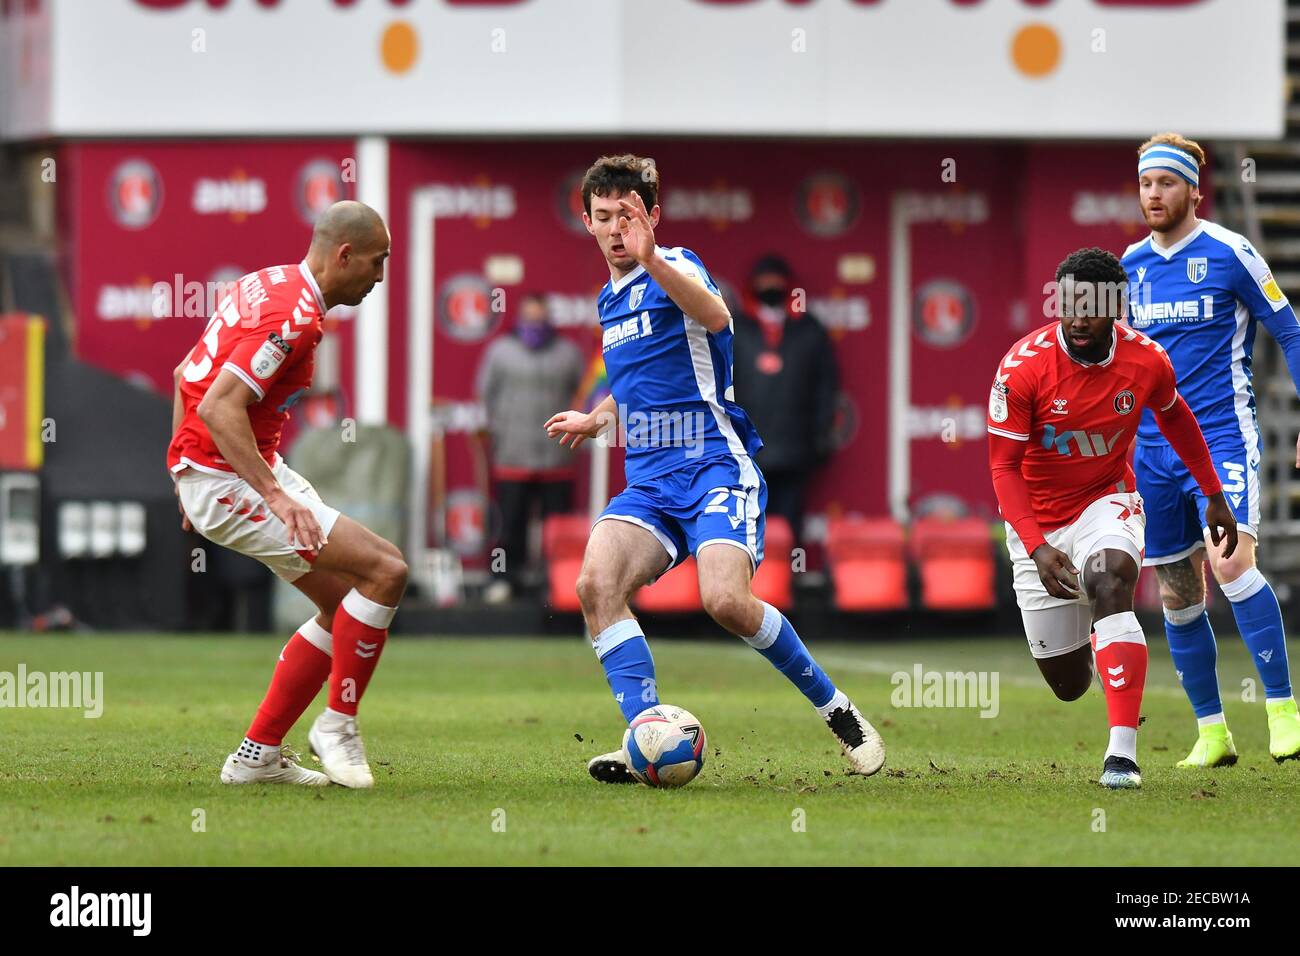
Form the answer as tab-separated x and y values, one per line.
399	46
1036	50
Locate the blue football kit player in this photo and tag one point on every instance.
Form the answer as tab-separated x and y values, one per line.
1201	291
692	485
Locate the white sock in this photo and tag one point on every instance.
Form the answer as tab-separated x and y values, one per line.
1123	743
838	699
368	612
1211	719
254	752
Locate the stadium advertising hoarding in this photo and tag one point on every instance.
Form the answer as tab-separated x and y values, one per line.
182	220
763	67
181	217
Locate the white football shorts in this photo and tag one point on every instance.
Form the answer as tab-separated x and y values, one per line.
226	511
1113	521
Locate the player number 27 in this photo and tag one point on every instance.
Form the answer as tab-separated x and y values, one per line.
717	504
227	315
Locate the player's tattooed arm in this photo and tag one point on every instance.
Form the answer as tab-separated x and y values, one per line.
224	410
1182	583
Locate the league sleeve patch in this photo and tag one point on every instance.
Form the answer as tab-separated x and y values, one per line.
998	403
1272	291
270	356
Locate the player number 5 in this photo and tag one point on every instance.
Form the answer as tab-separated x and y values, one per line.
227	315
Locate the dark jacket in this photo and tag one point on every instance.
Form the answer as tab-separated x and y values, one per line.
793	407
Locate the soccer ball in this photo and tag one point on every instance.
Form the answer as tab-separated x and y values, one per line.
664	746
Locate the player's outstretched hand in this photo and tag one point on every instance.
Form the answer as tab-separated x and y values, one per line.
572	428
298	519
635	227
1297	451
1222	524
1059	576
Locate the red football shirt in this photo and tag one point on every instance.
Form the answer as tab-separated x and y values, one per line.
1078	418
266	333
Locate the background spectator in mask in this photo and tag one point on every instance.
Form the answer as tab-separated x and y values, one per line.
522	375
786	379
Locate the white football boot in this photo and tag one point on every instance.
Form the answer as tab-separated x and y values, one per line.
610	768
259	763
861	743
336	743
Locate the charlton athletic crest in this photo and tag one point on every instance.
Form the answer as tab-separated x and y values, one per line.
1124	402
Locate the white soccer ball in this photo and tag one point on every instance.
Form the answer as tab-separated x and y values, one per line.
664	746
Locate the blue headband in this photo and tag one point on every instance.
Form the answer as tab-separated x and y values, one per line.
1164	156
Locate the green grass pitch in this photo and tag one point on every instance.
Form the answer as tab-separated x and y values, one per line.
477	759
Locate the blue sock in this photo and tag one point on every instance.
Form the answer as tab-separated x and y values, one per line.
629	668
777	641
1259	619
1191	645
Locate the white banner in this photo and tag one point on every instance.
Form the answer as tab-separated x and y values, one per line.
1073	69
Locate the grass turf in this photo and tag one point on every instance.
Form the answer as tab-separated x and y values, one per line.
477	758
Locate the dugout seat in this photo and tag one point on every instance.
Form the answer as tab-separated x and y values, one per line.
677	592
868	563
774	580
564	539
955	562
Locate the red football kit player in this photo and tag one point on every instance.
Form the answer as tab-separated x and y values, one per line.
1065	405
234	390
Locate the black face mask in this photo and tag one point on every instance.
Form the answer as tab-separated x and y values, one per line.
772	297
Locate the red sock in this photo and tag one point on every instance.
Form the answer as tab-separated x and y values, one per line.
303	667
360	630
1121	652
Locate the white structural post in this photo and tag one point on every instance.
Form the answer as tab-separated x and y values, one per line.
900	354
371	343
419	369
599	484
909	209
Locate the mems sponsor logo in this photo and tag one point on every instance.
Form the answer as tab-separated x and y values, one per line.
1188	310
626	331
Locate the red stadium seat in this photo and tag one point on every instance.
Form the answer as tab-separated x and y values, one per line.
955	559
678	591
774	580
564	539
867	563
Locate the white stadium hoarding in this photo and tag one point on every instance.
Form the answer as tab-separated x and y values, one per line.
1213	68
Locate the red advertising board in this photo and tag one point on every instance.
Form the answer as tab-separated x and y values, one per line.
982	226
22	396
155	228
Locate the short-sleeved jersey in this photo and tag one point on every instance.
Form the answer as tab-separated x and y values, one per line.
1201	299
1077	417
265	332
671	377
